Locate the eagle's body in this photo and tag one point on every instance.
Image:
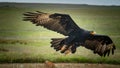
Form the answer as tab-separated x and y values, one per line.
63	24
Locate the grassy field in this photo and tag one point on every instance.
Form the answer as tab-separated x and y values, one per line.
22	42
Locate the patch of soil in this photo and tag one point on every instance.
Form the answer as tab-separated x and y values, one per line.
58	65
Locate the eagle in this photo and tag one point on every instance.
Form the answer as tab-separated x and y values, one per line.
75	36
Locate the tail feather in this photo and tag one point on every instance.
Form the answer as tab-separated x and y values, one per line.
56	42
59	44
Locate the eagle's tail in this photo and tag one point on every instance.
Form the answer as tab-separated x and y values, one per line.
59	44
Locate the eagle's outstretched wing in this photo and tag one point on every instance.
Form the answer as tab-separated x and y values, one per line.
61	23
100	44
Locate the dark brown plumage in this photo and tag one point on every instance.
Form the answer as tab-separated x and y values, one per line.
63	23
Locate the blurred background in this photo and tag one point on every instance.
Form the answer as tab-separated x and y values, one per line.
22	42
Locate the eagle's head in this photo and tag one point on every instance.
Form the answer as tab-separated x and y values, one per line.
92	32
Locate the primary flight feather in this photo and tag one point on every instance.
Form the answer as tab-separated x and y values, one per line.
63	24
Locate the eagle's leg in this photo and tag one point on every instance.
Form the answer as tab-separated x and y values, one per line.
68	45
67	42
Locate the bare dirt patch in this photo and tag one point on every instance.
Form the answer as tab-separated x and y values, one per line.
58	65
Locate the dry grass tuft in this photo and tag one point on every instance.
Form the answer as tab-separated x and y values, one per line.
49	64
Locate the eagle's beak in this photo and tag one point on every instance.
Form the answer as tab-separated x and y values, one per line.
92	32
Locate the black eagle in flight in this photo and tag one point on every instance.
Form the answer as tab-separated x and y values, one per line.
63	24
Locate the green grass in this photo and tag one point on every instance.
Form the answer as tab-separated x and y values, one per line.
27	43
